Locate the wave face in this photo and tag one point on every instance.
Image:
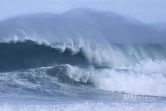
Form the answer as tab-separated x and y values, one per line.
76	69
30	54
87	24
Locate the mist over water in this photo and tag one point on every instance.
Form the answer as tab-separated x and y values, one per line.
86	24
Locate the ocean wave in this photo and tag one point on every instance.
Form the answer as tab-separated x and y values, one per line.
131	81
67	80
135	68
24	54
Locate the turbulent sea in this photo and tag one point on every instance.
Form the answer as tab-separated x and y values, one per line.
82	76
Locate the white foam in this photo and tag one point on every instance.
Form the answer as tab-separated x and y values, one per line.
129	81
149	66
79	74
85	107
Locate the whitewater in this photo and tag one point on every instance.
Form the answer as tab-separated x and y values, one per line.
47	72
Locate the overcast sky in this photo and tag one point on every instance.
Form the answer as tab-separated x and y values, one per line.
150	11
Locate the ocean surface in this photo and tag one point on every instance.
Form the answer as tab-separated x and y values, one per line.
82	76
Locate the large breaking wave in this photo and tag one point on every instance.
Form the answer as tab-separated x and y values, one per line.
87	107
80	54
135	68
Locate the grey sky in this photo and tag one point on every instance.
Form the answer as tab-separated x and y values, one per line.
150	11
